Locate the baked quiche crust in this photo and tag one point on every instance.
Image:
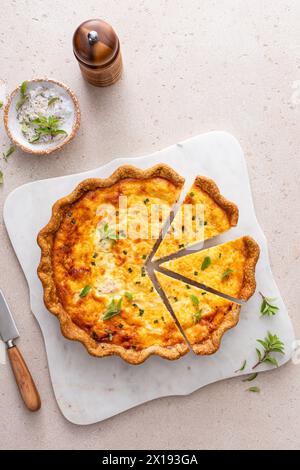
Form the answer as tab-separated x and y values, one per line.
237	258
220	214
216	314
46	240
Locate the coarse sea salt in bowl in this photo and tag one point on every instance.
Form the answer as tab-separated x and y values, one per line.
41	116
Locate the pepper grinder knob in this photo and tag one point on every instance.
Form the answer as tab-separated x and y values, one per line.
93	37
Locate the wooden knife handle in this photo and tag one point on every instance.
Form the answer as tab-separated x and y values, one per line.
24	380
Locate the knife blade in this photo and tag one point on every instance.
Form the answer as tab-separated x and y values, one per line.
9	332
8	328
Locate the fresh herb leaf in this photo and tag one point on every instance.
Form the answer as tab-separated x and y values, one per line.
271	344
85	291
128	295
195	300
242	366
23	96
107	233
226	273
250	377
23	88
53	100
267	308
1	177
112	310
206	262
1	104
197	315
8	152
253	389
46	126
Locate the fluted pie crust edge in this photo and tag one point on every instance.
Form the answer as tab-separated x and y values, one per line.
45	240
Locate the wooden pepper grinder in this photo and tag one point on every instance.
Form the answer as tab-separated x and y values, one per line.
97	49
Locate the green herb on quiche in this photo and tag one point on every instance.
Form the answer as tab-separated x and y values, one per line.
85	291
23	96
1	177
226	273
206	262
112	310
271	344
8	153
196	302
267	308
242	366
129	296
107	233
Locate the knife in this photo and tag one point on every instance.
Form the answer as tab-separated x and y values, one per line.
9	332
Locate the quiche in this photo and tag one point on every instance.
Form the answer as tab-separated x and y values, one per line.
228	268
205	213
204	317
94	275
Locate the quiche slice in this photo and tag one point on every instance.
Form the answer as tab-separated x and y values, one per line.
205	213
93	271
228	268
204	317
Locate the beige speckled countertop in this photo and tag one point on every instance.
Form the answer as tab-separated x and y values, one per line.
190	66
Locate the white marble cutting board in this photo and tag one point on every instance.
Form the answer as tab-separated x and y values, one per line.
90	389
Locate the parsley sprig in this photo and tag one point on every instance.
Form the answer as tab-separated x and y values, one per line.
267	308
113	309
271	344
46	126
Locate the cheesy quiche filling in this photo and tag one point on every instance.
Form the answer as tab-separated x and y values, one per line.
199	312
227	268
99	270
204	214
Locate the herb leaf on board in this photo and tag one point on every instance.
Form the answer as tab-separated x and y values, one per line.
271	344
242	366
267	308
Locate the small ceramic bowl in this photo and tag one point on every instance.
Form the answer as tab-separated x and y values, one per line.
13	127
